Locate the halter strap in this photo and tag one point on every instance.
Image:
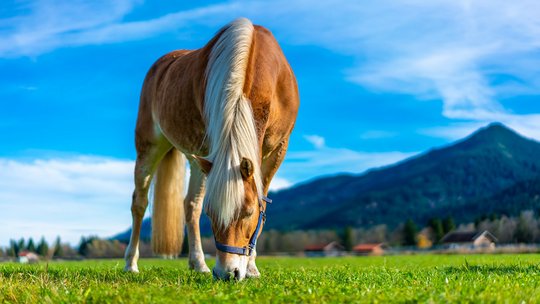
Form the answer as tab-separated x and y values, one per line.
250	248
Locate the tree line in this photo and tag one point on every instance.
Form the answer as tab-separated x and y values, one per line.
89	247
524	228
42	248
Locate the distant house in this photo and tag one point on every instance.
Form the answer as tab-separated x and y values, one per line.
369	249
321	250
469	239
27	257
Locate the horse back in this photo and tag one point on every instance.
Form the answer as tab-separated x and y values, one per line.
172	100
272	89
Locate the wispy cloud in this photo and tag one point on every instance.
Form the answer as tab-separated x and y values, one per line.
66	197
279	183
527	125
28	88
316	140
324	160
46	23
468	54
48	26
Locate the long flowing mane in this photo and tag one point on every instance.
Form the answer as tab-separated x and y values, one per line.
229	122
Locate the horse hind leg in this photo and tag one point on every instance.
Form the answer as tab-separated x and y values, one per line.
193	208
145	166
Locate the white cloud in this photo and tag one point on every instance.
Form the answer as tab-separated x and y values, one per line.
279	183
454	131
49	26
44	26
316	140
526	125
66	197
324	160
469	54
304	165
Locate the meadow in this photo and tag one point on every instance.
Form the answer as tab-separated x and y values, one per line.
417	278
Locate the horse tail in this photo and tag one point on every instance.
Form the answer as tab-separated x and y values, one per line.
168	208
230	125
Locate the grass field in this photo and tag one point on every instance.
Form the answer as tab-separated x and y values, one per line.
422	278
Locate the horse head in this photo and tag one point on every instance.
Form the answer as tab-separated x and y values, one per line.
236	237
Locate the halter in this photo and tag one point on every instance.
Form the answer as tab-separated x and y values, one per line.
250	248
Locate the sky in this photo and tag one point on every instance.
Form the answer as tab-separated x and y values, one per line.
379	81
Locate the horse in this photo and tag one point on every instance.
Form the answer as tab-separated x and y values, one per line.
228	109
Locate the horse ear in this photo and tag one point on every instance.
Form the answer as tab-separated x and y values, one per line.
204	164
246	168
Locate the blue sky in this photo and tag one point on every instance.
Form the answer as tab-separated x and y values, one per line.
379	82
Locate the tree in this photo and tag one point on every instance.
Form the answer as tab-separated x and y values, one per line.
98	248
526	227
82	246
409	233
31	247
13	250
85	243
437	227
20	245
348	238
58	250
448	224
43	248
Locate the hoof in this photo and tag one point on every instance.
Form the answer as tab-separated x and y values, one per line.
199	267
132	269
204	269
253	272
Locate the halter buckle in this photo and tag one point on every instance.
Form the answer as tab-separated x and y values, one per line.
249	250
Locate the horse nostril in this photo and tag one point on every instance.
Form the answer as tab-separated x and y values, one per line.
237	273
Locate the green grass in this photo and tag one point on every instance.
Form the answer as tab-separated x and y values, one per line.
422	278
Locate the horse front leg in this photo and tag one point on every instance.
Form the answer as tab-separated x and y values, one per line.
193	208
269	168
252	270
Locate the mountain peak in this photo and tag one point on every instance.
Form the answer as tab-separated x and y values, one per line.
495	127
494	132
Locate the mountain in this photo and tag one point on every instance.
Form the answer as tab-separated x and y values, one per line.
524	195
483	173
436	183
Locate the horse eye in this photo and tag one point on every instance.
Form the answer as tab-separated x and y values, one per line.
249	211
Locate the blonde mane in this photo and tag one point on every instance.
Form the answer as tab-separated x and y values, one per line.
230	123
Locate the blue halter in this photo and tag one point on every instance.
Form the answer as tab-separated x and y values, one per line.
250	248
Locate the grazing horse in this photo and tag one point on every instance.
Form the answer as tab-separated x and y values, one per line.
228	109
